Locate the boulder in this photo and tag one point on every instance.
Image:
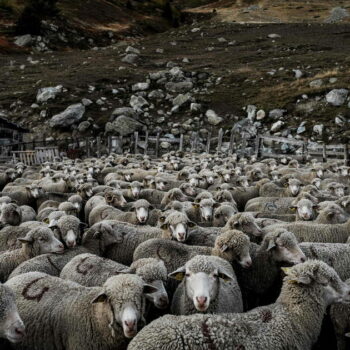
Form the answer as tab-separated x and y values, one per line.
213	118
70	116
48	93
123	126
337	97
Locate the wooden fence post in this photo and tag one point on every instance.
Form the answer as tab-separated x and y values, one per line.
324	153
194	141
232	140
220	136
157	144
98	145
244	144
346	154
136	140
181	143
146	143
208	142
257	146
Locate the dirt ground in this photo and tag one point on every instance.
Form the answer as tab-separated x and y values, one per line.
318	50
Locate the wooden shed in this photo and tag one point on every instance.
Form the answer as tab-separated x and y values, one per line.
10	132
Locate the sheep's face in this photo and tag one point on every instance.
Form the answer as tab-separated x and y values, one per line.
335	215
339	190
294	186
135	189
162	185
10	214
226	176
115	199
272	166
43	241
69	228
188	190
305	209
124	295
316	182
160	297
246	225
206	209
222	215
285	248
11	325
11	174
128	176
142	214
243	182
179	231
194	181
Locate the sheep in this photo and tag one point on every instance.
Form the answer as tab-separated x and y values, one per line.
208	285
11	324
48	204
68	227
27	213
332	214
96	240
306	231
174	227
85	191
292	322
258	283
37	241
201	211
69	208
10	214
7	176
98	318
91	270
231	246
339	314
305	209
188	189
270	189
222	214
103	212
133	191
77	201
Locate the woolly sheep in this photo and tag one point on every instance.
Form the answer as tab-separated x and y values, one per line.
202	210
209	285
91	270
103	212
68	227
222	214
10	214
37	241
96	240
11	324
292	322
98	318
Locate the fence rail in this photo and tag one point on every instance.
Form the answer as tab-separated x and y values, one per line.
229	141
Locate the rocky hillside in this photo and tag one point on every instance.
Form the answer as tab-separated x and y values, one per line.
279	78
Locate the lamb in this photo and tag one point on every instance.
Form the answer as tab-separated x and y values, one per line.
142	214
37	241
209	285
258	283
175	227
99	318
310	232
11	324
222	214
91	270
103	212
292	322
305	209
96	240
231	246
201	211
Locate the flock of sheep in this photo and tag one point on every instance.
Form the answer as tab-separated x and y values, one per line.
183	252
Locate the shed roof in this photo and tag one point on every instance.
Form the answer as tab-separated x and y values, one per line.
4	122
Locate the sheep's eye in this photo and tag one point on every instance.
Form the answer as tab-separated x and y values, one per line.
217	216
187	275
41	239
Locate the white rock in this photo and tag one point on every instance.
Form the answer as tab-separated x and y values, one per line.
140	87
318	129
277	126
213	118
260	114
86	102
337	97
45	94
274	36
137	102
298	73
131	49
251	110
71	115
24	40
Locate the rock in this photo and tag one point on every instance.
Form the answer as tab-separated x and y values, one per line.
165	145
337	97
277	126
156	95
70	116
318	129
137	102
181	99
86	102
337	15
307	107
222	40
48	93
333	80
159	50
84	126
195	107
274	36
251	110
277	113
131	49
340	120
24	40
123	126
140	87
195	30
126	111
316	83
260	114
231	43
182	86
130	58
301	128
213	118
298	73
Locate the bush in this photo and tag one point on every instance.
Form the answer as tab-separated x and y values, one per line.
34	12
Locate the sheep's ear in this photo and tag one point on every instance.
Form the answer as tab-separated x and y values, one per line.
101	298
223	248
195	205
46	221
224	276
179	274
196	201
293	207
271	245
286	184
316	207
164	226
162	218
330	214
148	289
235	224
25	240
191	224
151	207
216	205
